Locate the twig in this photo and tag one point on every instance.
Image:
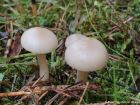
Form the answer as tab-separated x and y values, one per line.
37	80
25	96
43	95
38	92
56	96
52	99
81	98
129	19
20	93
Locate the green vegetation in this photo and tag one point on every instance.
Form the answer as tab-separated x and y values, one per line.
114	22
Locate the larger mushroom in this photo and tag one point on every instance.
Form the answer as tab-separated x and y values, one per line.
40	41
85	54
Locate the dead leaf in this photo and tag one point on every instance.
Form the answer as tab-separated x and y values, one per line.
14	47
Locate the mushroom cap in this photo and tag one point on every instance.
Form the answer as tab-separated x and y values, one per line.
86	55
39	40
74	38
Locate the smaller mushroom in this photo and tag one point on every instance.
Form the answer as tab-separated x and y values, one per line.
85	54
40	41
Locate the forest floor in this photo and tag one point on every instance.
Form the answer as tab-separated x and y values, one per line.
116	23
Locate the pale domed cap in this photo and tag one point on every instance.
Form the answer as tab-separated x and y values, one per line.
74	38
86	55
39	40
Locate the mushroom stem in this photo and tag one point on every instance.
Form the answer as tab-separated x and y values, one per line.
43	66
82	76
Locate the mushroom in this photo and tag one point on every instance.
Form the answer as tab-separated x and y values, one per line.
74	38
40	41
85	54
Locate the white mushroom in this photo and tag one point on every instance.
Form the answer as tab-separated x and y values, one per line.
74	38
40	41
85	55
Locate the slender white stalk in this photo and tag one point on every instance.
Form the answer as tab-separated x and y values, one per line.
43	66
82	76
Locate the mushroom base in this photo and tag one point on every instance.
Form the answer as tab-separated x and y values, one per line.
82	76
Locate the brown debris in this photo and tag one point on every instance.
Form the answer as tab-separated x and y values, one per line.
136	40
20	93
8	45
13	47
81	98
38	92
61	47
